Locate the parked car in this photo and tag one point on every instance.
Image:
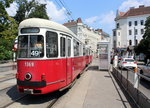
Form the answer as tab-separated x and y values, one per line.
145	70
127	62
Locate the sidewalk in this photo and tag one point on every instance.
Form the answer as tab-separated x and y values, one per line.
94	89
4	67
8	64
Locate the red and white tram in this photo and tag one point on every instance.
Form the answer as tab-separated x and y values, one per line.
50	56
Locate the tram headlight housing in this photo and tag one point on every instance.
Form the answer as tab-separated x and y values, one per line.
28	76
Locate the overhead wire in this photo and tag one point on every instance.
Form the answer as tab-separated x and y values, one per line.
67	9
61	4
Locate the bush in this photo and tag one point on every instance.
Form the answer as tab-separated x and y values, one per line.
5	49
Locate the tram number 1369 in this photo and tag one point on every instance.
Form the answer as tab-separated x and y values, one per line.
35	53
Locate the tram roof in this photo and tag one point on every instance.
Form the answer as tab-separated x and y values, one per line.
37	22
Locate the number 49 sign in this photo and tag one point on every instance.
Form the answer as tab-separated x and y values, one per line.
35	53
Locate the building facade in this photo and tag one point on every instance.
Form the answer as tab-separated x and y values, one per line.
87	35
130	27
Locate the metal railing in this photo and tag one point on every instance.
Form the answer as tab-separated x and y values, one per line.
144	77
129	79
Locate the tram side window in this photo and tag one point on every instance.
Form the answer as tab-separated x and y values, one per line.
62	47
69	47
87	52
51	44
80	49
76	48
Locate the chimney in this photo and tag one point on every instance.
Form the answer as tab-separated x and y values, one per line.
79	20
141	6
131	7
99	30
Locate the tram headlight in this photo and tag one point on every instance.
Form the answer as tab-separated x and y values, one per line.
28	76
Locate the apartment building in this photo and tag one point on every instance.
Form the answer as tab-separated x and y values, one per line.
130	27
86	34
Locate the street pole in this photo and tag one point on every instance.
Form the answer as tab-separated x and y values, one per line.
134	37
134	40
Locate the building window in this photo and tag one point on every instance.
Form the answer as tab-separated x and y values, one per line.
142	31
118	43
135	23
142	22
117	25
130	32
136	42
114	33
136	32
114	44
118	33
130	42
130	23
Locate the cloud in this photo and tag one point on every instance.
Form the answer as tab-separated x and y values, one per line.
91	20
53	12
133	3
12	9
107	18
106	21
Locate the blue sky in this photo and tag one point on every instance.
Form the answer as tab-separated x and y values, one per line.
94	13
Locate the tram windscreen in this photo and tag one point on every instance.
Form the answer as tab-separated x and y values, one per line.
30	46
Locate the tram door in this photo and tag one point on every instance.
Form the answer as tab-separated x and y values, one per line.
69	59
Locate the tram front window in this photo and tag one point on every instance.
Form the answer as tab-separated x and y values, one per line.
30	46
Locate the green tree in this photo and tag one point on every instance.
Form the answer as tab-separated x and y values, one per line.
31	9
24	8
3	14
8	31
39	12
144	45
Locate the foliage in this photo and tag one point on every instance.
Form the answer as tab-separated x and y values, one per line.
5	49
29	10
3	14
39	12
24	8
9	25
144	45
8	31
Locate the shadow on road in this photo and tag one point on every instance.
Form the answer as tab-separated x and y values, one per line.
33	99
93	68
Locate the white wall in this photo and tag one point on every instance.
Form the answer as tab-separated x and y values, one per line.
124	36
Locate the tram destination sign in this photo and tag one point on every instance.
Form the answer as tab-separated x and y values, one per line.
30	30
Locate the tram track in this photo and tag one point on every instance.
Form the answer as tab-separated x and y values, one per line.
7	79
30	101
16	100
6	88
64	91
52	103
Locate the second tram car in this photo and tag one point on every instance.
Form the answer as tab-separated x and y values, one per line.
50	56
